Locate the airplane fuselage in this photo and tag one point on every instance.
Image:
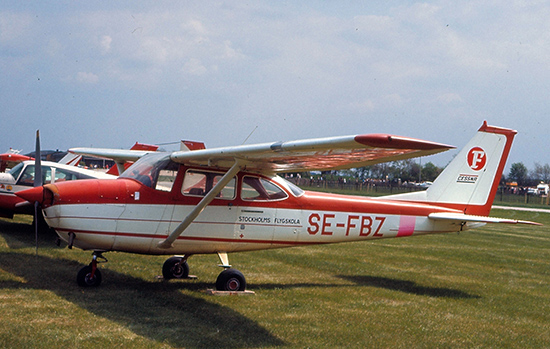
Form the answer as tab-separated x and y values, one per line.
125	215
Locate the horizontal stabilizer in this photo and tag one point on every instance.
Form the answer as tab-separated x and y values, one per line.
459	217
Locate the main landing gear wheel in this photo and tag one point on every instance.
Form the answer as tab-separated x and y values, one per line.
87	277
231	280
175	268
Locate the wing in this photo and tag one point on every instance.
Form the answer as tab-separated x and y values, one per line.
458	217
314	154
10	159
112	154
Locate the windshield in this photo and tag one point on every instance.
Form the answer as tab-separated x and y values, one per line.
297	191
16	170
154	170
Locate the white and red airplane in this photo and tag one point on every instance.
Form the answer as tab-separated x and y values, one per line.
231	200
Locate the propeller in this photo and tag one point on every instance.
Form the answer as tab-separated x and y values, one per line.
37	183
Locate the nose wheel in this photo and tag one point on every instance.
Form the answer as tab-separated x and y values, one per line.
90	276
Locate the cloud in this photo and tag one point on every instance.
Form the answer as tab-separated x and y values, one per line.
105	43
194	67
447	98
87	78
14	27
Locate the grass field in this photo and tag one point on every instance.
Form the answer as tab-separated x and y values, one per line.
488	287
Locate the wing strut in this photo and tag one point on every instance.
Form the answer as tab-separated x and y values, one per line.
201	205
120	167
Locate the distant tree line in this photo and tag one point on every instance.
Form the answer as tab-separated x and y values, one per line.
395	172
407	171
403	170
525	178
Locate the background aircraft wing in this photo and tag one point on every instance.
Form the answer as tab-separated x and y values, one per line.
9	160
118	155
314	154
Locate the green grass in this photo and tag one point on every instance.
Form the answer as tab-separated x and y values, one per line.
488	287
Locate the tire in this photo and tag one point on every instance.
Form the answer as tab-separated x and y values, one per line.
231	280
174	269
83	277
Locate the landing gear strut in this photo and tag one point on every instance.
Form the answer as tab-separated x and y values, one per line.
90	276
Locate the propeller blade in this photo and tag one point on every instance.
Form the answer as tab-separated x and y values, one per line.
37	183
37	162
36	212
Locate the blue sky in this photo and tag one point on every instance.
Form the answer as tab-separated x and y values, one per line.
108	75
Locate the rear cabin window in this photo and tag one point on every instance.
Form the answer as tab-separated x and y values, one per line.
63	175
199	183
260	189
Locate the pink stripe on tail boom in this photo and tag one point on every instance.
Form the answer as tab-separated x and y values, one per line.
406	226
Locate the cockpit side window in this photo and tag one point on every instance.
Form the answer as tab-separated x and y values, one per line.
260	189
166	176
199	183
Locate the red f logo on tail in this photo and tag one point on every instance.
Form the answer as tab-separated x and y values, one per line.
477	158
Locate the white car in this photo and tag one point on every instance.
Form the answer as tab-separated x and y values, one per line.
21	177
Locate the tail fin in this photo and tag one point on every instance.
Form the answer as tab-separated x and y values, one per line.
470	182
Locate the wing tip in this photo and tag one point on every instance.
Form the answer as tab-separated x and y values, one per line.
381	140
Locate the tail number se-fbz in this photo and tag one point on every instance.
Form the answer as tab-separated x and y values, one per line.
327	222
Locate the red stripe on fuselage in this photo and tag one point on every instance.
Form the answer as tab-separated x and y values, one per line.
193	238
171	221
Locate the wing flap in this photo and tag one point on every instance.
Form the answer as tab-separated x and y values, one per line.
314	154
459	217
